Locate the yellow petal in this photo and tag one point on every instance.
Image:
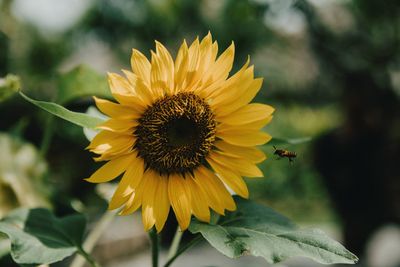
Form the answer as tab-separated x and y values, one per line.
247	114
251	153
142	92
147	95
129	207
253	126
141	66
217	195
162	203
104	137
242	98
131	77
243	137
149	199
119	85
243	166
224	63
130	180
109	144
208	54
250	92
194	61
207	57
199	201
204	78
229	92
118	200
118	125
257	125
179	196
111	170
158	78
212	72
222	89
230	178
167	64
194	55
133	204
135	200
214	50
112	109
181	67
123	91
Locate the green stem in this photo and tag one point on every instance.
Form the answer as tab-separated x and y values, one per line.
94	236
154	246
47	136
88	258
175	243
190	244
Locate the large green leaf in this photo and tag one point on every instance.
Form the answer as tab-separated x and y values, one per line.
259	231
38	237
80	82
77	118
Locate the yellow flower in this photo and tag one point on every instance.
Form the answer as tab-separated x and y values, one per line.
180	133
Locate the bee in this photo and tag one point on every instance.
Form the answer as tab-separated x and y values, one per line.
283	153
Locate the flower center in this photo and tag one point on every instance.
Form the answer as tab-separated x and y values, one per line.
176	133
181	132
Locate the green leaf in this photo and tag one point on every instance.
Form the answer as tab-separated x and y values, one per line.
37	237
259	231
77	118
276	141
80	82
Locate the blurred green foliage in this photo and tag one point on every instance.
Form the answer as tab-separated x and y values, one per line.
22	176
9	85
81	82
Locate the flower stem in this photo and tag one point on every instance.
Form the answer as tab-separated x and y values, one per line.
94	236
47	136
88	258
190	244
154	246
175	243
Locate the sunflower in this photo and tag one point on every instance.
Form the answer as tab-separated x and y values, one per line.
181	133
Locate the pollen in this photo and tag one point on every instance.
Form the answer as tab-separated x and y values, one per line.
175	134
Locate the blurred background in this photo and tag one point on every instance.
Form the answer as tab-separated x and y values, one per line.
331	69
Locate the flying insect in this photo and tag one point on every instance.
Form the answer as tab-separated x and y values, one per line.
283	153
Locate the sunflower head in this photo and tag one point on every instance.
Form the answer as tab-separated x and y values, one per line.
181	133
176	133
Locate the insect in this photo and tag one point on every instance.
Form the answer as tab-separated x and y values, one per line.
283	153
